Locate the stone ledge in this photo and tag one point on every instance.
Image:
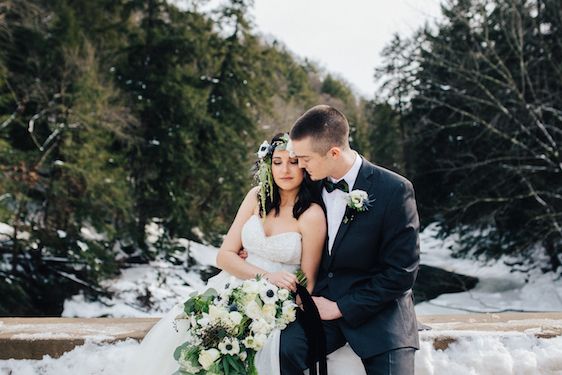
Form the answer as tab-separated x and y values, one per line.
32	338
447	329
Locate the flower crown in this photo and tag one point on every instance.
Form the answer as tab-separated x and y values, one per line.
264	176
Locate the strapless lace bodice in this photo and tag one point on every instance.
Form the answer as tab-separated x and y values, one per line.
279	252
283	249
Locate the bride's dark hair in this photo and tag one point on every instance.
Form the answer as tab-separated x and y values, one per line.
304	196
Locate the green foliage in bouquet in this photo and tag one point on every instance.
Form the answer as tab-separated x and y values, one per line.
226	328
301	278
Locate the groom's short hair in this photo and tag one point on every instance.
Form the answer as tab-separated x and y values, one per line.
326	126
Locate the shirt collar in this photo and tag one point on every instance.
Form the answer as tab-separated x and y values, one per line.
353	172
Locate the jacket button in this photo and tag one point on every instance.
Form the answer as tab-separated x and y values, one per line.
330	275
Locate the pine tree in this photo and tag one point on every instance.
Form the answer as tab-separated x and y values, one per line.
56	145
485	122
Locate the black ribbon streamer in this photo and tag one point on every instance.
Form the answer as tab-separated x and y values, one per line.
314	331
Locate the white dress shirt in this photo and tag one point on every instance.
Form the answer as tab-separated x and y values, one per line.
335	201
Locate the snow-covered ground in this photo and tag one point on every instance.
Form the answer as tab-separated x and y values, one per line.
500	289
146	290
473	354
504	284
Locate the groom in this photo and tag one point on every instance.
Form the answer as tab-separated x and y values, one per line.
364	286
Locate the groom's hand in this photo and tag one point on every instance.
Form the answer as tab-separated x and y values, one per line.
242	253
328	310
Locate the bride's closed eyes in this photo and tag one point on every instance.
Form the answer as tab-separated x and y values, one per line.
278	161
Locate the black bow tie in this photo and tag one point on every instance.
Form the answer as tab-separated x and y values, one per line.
331	186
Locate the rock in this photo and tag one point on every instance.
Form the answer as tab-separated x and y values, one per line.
433	281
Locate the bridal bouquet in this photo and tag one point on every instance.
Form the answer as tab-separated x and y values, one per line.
227	328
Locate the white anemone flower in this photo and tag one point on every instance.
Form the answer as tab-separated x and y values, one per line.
262	151
268	293
229	346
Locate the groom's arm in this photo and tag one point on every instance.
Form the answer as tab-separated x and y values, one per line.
400	254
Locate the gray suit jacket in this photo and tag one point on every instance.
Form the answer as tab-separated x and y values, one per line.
373	266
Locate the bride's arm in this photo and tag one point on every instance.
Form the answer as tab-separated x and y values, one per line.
228	258
312	225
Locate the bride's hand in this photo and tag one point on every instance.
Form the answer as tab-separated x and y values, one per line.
282	279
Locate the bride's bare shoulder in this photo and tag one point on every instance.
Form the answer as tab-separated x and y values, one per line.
250	203
314	215
254	192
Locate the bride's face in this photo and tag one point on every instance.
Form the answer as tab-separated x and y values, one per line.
286	172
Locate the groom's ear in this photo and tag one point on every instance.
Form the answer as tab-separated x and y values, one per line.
334	153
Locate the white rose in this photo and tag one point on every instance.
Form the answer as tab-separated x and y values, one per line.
283	294
253	310
248	298
208	357
186	365
269	311
288	312
235	317
357	198
288	305
204	321
261	326
289	316
259	341
250	287
243	356
216	313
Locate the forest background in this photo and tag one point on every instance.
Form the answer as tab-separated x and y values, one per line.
117	115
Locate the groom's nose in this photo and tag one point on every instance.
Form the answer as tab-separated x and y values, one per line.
302	163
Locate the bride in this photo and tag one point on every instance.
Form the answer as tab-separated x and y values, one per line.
281	229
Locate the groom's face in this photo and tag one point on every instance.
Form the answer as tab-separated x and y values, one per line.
317	165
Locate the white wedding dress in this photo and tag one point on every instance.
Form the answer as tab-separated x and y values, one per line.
280	252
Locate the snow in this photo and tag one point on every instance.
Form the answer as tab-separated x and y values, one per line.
92	358
473	353
83	246
89	233
502	287
477	353
7	231
159	283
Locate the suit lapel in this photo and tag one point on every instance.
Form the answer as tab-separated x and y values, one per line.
363	182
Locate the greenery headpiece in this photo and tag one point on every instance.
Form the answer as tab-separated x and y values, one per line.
263	175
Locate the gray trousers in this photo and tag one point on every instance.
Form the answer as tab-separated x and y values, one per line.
294	348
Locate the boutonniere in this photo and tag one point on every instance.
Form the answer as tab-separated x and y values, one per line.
357	201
